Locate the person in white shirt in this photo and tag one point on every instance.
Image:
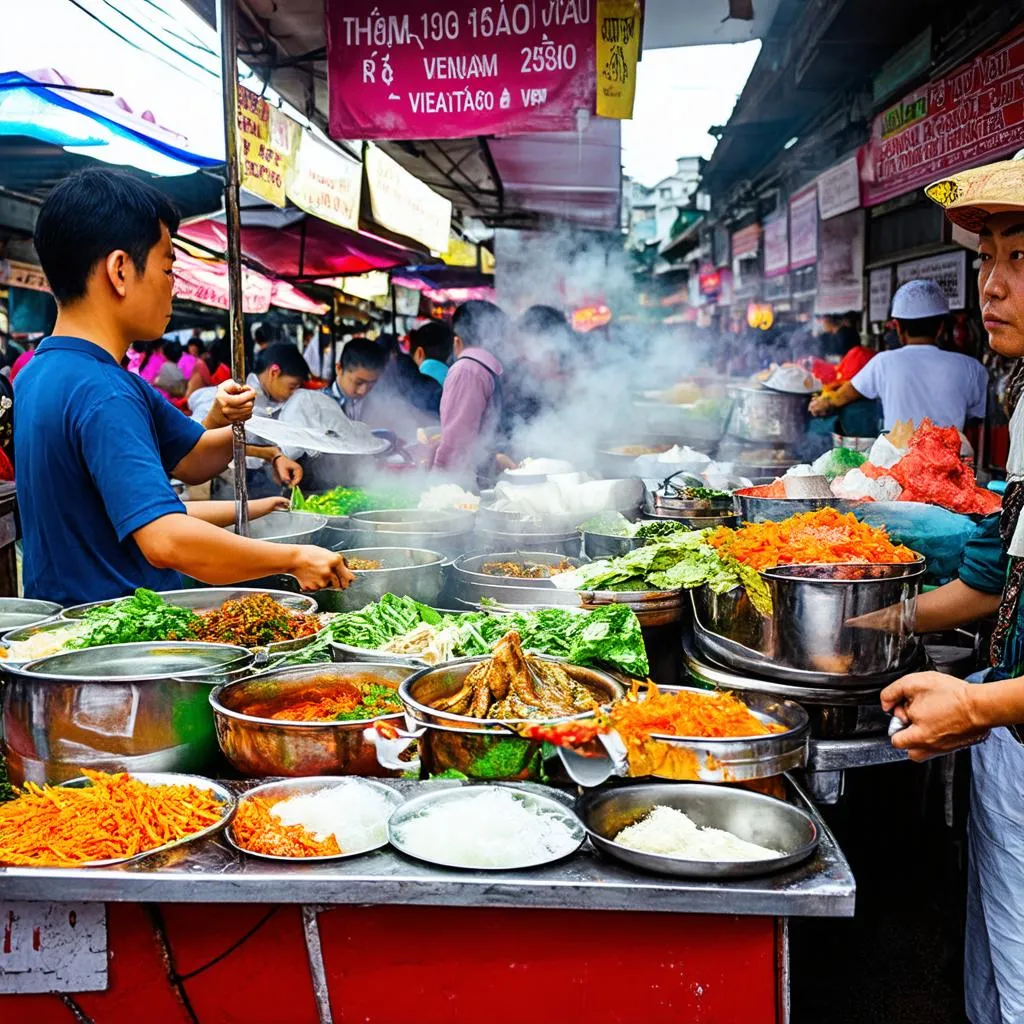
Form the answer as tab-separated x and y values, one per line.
919	380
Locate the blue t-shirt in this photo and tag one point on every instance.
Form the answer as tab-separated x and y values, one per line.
434	368
94	446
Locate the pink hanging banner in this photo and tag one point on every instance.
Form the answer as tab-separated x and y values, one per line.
410	69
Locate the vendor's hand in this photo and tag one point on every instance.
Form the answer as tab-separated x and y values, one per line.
287	471
505	462
233	403
319	569
820	406
938	712
885	620
260	507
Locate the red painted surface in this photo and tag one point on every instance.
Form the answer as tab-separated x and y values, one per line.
393	965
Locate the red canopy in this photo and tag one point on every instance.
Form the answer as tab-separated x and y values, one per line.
298	246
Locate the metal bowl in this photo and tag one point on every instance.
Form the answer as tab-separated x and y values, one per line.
257	746
222	793
607	545
204	599
287	788
286	527
404	572
756	509
129	707
557	542
810	629
760	819
447	532
470	585
483	748
651	607
534	801
16	612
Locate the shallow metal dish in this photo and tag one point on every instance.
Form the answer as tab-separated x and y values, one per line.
404	572
297	787
286	527
127	707
470	586
471	745
27	632
205	599
17	612
470	567
223	794
728	759
418	805
608	545
760	819
258	746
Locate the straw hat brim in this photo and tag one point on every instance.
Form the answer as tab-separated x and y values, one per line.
970	197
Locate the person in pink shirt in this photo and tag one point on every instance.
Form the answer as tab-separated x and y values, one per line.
22	361
471	402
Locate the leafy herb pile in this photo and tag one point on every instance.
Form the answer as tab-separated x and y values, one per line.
608	637
685	561
615	524
145	616
377	700
702	494
345	501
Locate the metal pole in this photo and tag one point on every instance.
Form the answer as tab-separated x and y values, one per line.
227	25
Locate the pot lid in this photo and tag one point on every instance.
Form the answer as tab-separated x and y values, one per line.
140	662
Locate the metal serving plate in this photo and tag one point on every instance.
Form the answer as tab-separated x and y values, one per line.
205	599
223	794
23	633
534	801
764	820
17	612
469	568
297	787
729	759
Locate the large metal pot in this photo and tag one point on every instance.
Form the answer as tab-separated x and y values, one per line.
257	745
204	599
769	416
286	527
812	635
16	612
404	572
482	748
755	509
130	707
446	532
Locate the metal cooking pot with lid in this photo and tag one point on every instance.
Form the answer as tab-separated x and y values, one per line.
125	707
769	416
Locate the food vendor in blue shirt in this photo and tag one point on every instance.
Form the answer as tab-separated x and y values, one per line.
95	446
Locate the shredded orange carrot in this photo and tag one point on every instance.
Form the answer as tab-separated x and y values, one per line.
117	816
823	536
256	829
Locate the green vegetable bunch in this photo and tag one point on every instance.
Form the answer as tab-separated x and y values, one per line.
145	616
377	623
346	501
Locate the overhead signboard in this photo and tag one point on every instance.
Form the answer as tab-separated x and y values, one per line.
879	295
841	264
906	64
746	243
839	189
402	203
324	182
619	23
971	116
803	228
263	163
23	275
948	270
405	69
776	245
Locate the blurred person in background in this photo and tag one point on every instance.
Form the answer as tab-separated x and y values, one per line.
472	402
22	360
430	347
360	366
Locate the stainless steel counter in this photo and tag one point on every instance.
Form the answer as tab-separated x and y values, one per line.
211	872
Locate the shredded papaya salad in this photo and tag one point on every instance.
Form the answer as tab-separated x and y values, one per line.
825	536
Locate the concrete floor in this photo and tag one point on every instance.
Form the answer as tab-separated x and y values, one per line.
899	960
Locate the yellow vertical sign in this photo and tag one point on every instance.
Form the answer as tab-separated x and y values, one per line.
618	50
263	163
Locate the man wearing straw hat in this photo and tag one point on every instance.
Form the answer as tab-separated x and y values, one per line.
941	713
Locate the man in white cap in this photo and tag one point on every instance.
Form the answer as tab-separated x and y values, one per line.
918	380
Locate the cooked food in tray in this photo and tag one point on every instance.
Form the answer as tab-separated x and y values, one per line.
363	564
525	570
670	832
329	699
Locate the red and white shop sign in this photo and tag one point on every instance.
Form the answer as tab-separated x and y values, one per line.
411	69
803	228
973	115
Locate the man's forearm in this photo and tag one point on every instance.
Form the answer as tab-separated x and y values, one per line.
213	454
998	704
953	605
211	554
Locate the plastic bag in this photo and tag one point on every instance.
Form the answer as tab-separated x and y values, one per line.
885	454
856	485
936	533
837	462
